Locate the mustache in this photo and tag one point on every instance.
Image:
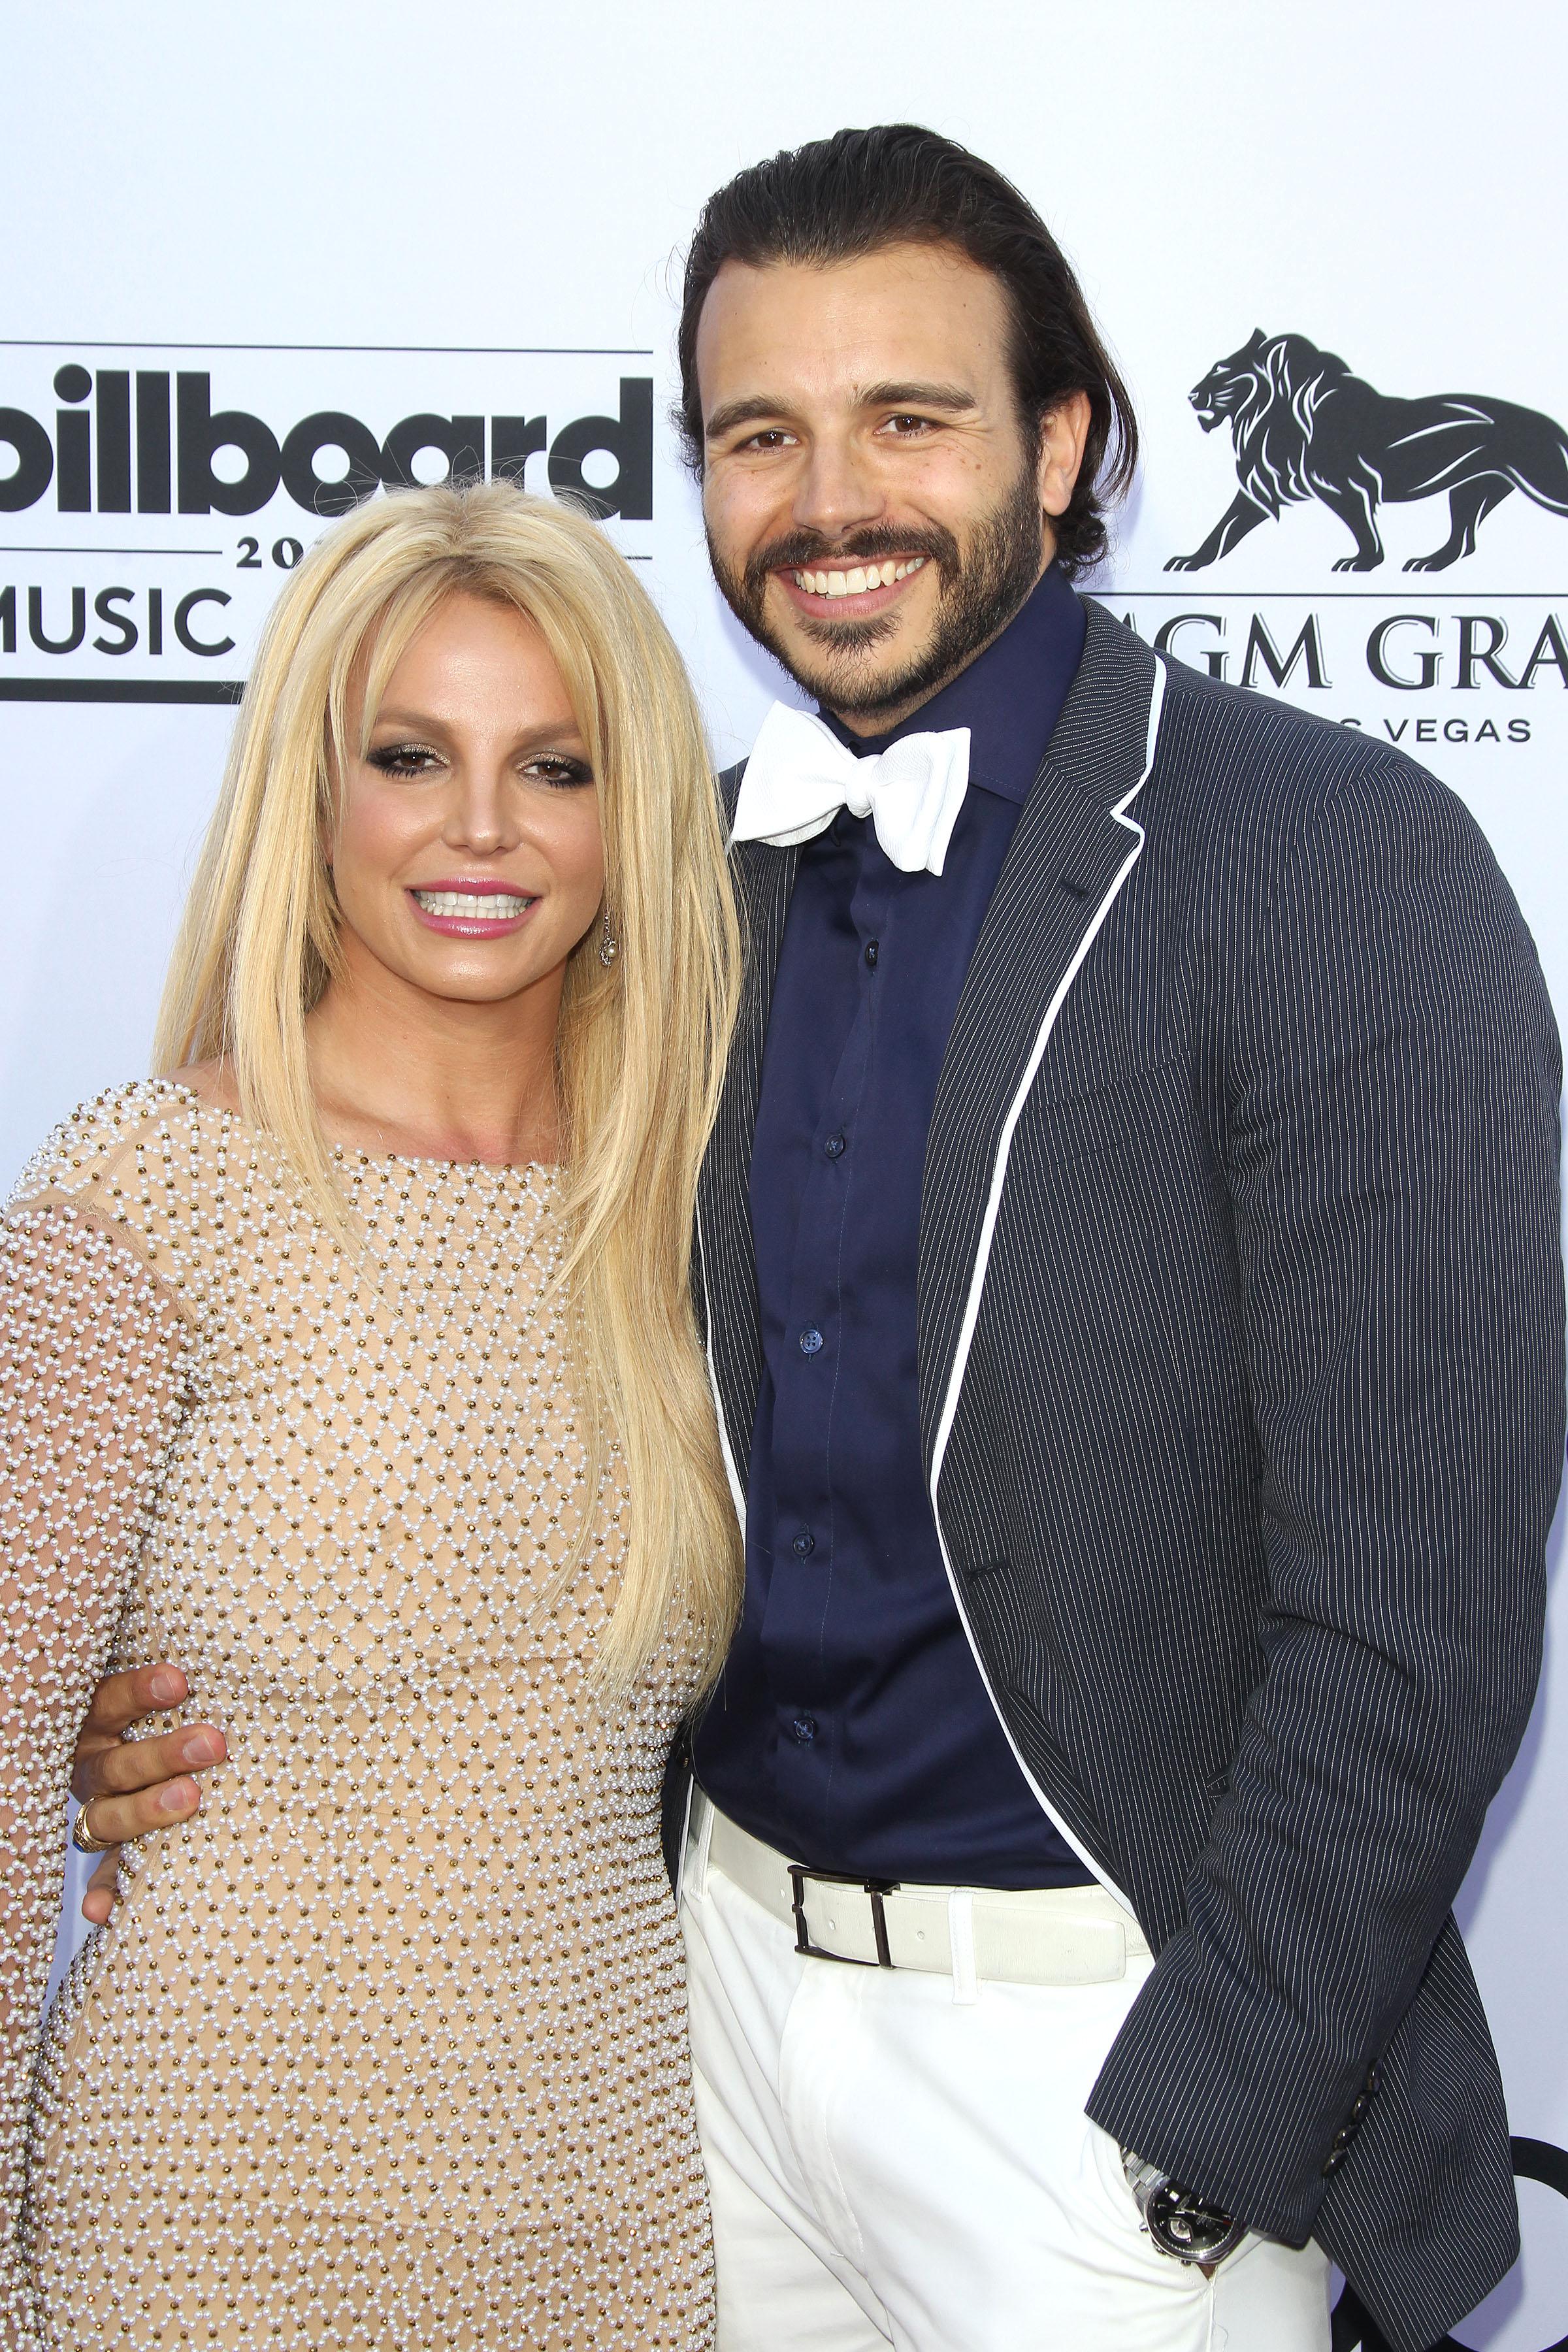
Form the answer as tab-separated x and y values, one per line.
812	550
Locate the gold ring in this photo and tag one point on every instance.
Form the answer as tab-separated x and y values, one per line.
82	1837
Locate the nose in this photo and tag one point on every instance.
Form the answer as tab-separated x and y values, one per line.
836	491
479	816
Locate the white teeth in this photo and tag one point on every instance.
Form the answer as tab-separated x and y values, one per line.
497	907
856	583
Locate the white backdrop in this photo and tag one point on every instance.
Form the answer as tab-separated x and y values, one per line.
374	214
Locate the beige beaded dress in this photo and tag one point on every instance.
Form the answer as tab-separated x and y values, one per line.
386	2049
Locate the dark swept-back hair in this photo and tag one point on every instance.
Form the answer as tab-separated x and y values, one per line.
860	190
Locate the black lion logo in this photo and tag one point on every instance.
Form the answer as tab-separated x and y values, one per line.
1304	427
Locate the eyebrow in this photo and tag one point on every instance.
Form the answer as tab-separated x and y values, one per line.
563	726
954	398
742	412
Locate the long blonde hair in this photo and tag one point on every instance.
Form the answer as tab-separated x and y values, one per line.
641	1046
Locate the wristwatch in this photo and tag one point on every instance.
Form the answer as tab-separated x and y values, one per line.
1182	2224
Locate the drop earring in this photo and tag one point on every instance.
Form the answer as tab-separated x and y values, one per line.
609	946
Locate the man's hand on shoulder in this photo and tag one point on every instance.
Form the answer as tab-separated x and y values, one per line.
136	1786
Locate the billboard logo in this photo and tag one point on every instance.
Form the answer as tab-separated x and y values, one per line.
1302	427
326	463
150	497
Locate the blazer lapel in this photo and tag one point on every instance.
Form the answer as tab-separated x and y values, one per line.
763	877
1073	846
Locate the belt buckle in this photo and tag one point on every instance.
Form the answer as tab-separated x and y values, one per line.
875	1887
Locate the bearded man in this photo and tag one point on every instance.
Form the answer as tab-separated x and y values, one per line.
1128	1257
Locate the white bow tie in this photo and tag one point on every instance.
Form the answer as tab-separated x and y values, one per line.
799	776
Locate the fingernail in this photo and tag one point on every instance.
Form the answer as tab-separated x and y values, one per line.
201	1748
177	1798
164	1686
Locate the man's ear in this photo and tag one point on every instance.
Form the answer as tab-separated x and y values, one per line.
1062	437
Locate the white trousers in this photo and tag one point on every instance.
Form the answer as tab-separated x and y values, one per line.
891	2165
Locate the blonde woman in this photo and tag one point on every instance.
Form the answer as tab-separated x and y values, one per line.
352	1362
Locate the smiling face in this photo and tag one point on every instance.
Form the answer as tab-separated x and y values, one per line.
468	861
877	508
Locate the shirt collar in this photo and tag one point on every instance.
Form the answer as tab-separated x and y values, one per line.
1010	697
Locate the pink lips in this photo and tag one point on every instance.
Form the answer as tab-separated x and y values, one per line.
459	926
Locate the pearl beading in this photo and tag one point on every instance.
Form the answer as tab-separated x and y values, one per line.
386	2048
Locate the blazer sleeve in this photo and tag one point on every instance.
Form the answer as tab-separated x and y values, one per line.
1392	1157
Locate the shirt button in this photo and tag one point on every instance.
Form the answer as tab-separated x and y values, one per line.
805	1729
804	1544
871	953
833	1146
810	1340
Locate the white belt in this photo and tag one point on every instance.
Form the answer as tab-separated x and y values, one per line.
1052	1935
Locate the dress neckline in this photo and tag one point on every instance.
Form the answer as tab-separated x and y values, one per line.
350	1153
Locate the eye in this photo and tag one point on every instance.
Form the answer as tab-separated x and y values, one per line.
904	427
558	769
405	758
772	436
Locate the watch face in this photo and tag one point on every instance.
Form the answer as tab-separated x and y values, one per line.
1182	2225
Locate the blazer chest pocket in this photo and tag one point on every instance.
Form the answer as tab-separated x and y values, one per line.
1127	1110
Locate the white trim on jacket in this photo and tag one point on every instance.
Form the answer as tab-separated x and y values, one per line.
983	1258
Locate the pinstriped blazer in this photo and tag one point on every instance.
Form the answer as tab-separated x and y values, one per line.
1242	1408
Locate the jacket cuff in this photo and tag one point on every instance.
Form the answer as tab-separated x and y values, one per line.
1189	2116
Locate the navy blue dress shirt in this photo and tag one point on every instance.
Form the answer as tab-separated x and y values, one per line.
851	1728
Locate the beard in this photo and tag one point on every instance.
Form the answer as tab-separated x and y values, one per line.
979	589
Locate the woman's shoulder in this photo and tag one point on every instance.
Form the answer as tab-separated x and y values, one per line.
135	1156
166	1166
